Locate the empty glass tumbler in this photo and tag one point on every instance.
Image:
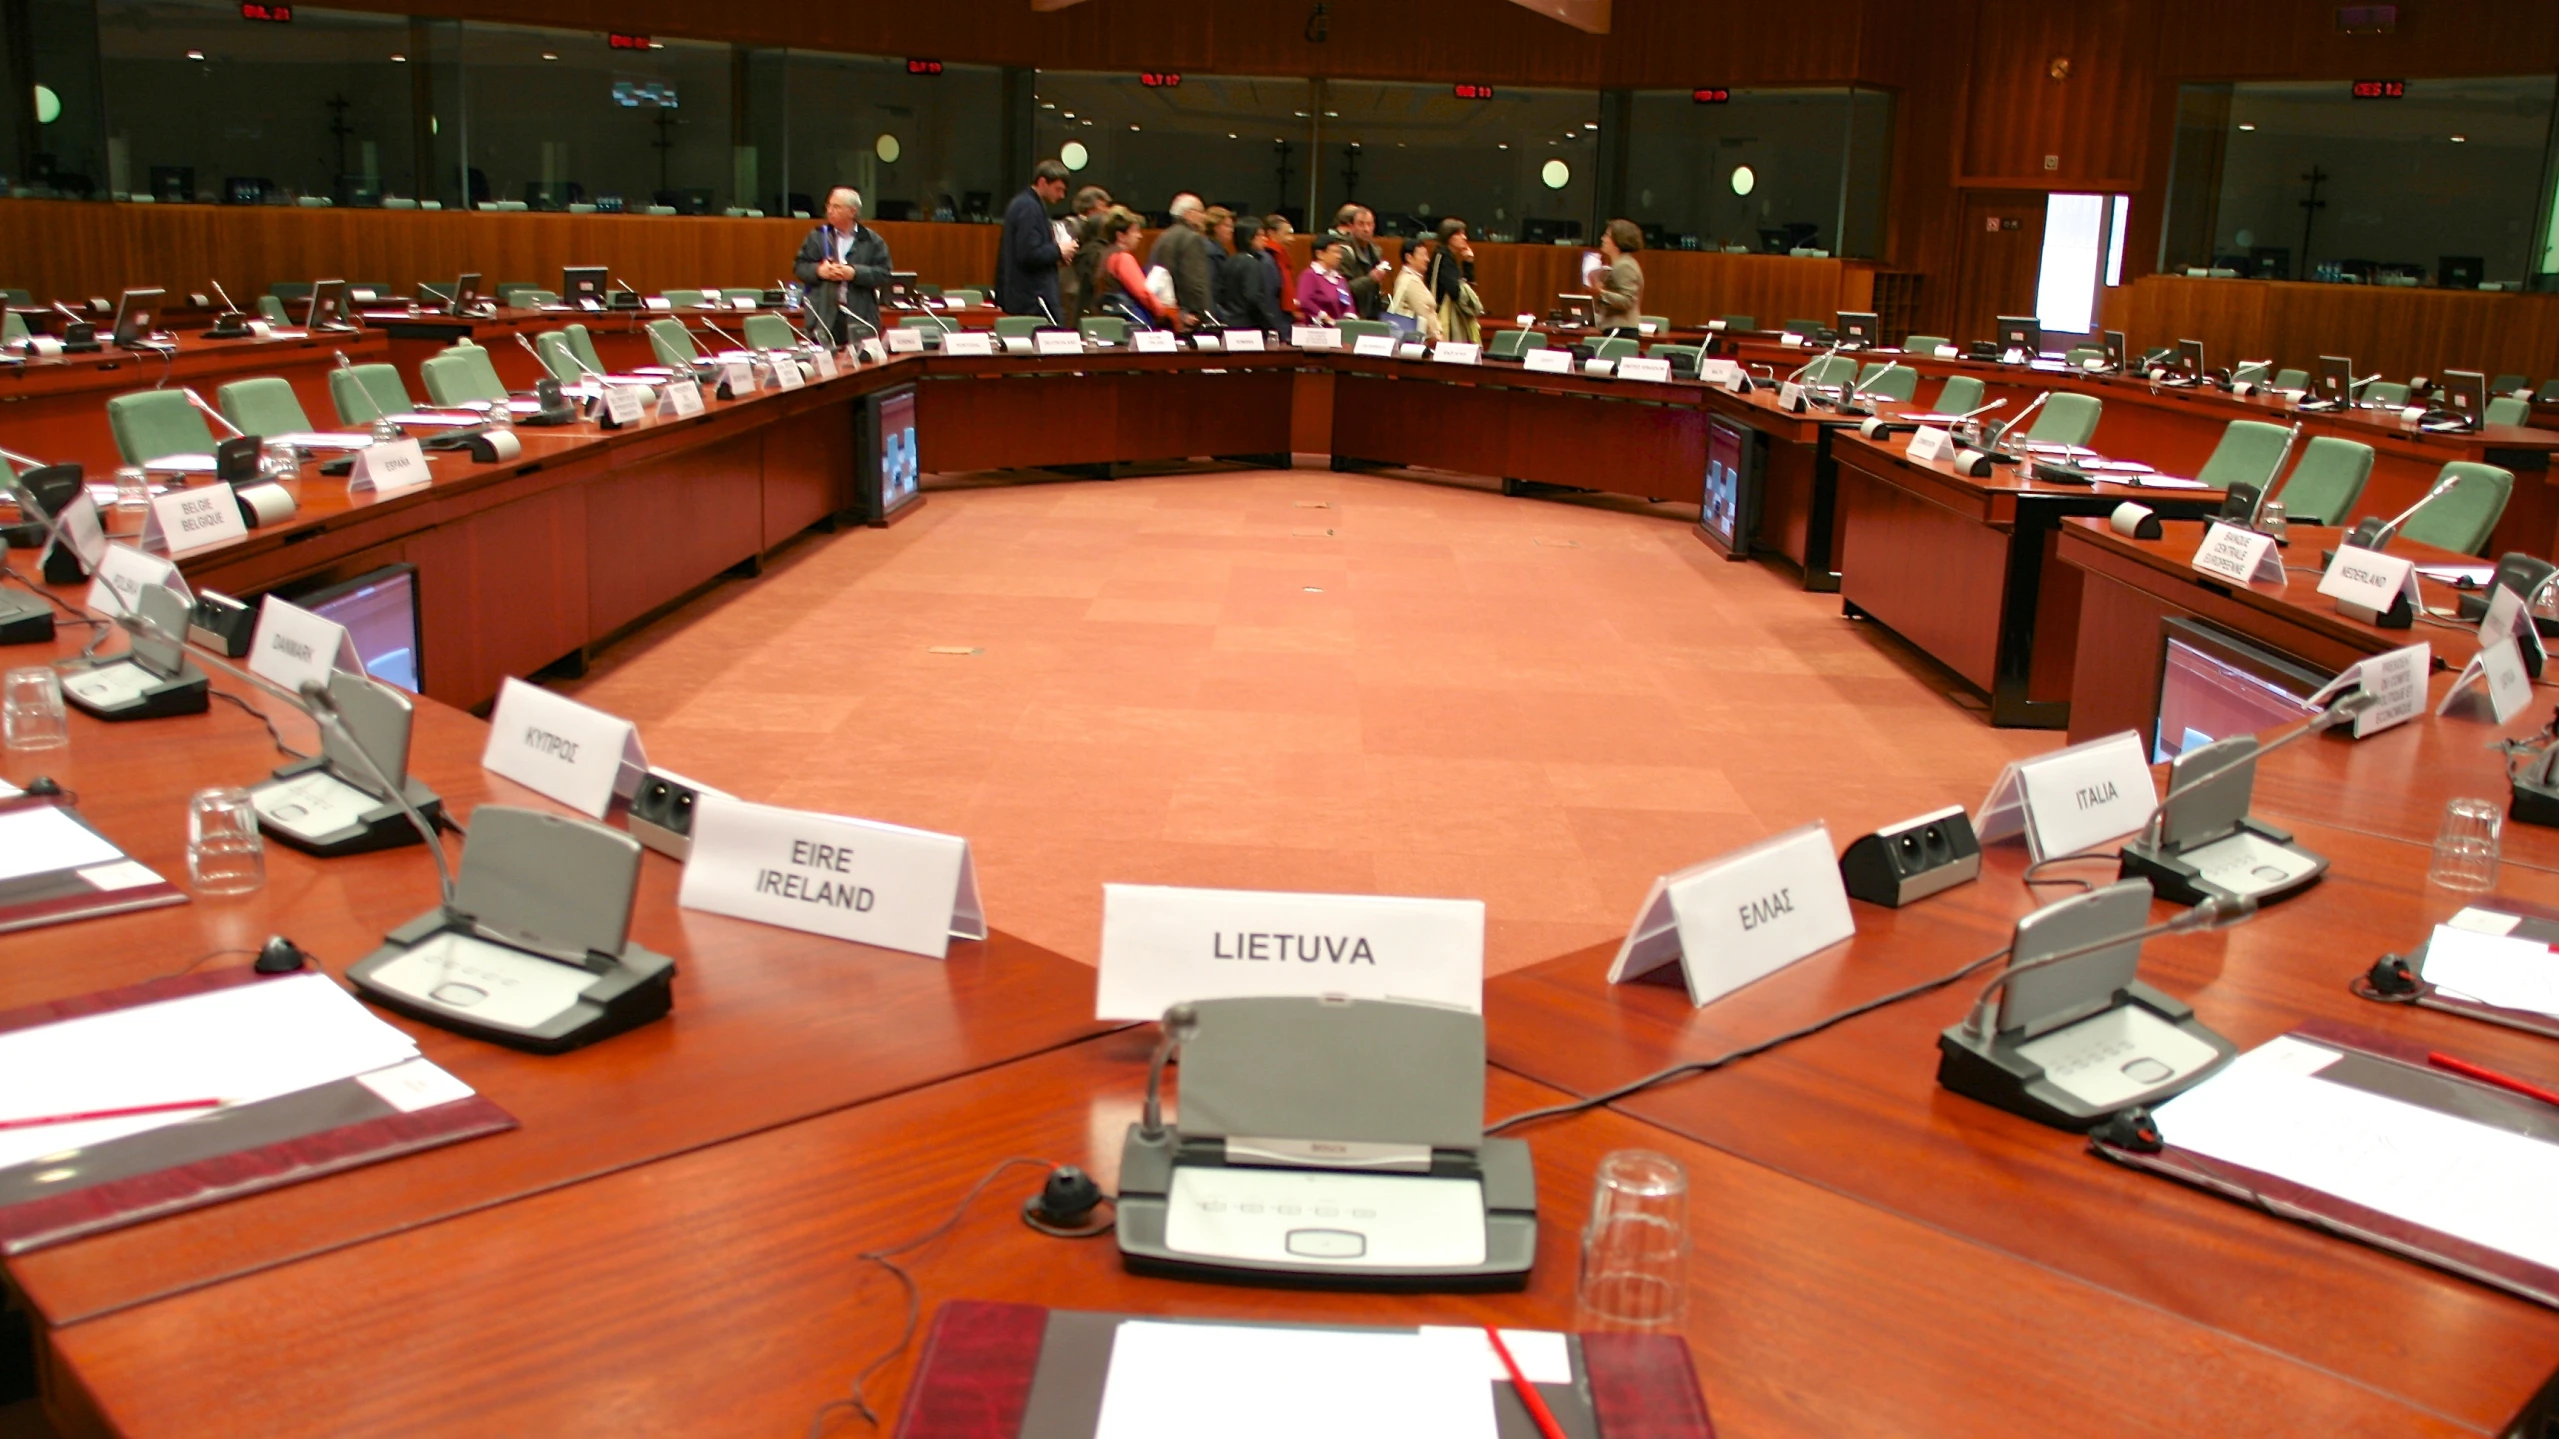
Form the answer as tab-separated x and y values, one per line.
1635	1250
31	710
225	854
2466	846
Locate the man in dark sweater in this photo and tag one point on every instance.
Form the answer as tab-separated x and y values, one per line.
841	267
1030	250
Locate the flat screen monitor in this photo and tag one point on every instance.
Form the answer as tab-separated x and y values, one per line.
1574	309
1731	507
2213	684
466	295
135	310
2190	358
583	286
2022	334
380	611
1856	327
2114	349
329	310
2465	393
2336	377
889	463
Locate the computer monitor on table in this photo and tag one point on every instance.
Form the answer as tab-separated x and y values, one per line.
2337	378
135	310
2190	358
2114	349
329	309
1857	329
466	295
2465	393
380	611
582	286
2213	684
2020	336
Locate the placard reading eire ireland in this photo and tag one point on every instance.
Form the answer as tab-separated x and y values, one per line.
1162	945
854	879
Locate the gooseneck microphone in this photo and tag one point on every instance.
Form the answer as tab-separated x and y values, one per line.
323	708
1181	1023
2375	534
2213	913
210	412
2342	711
1042	302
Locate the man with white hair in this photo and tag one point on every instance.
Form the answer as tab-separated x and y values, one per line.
1182	252
842	267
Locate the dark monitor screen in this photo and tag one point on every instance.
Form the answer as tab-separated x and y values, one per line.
135	310
329	306
2022	333
380	612
2115	349
2336	377
2213	685
1857	327
2465	393
466	295
583	286
1728	511
895	454
2190	358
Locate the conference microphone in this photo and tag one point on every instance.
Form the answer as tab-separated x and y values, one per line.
2342	711
1858	390
2374	534
2213	913
23	462
930	314
1181	1023
857	319
210	412
1805	368
1042	302
323	709
733	340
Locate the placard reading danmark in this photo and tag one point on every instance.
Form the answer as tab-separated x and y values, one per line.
554	746
1931	443
2072	798
1547	362
1162	945
293	645
185	521
1741	916
853	879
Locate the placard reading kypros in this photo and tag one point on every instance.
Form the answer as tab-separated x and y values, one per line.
1163	945
1741	916
551	744
851	879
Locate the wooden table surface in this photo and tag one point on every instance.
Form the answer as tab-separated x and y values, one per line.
719	1292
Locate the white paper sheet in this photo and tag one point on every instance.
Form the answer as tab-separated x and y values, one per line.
1171	1381
2488	1186
2498	969
43	840
319	440
1542	1354
241	1044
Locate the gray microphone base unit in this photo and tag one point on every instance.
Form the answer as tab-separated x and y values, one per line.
358	824
2143	1048
438	969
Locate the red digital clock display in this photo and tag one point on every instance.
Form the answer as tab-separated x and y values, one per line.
2381	89
923	67
627	42
274	14
1472	92
1711	95
1159	79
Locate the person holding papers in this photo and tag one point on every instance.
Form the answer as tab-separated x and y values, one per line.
1323	297
1413	298
1621	285
1030	250
842	265
1119	286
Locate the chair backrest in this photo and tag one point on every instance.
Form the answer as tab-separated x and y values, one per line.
1659	323
534	299
558	357
1889	382
150	423
13	328
271	309
2291	379
1830	370
2508	384
1354	330
1961	395
1109	328
2252	373
968	296
399	202
2509	410
2326	481
366	393
2067	419
2079	355
508	292
262	406
684	299
1802	326
584	344
1017	327
1615	347
673	344
1741	322
765	330
1923	344
2385	394
2548	394
290	289
1511	344
741	294
2462	519
462	373
2247	455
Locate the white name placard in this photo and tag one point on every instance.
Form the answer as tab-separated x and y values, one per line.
657	302
2396	679
388	469
683	399
969	342
2499	667
293	645
1154	342
1162	945
878	352
906	340
824	359
1947	352
1242	341
1547	362
554	746
1790	396
1931	443
2363	577
1727	373
786	370
739	376
1058	342
80	528
185	521
2072	798
853	879
122	571
625	404
1315	337
1740	917
1791	340
1643	369
1458	352
2238	554
1381	346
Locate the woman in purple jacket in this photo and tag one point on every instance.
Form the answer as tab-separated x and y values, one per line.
1322	297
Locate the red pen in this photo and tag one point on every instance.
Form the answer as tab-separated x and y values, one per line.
2489	1076
40	1121
1528	1394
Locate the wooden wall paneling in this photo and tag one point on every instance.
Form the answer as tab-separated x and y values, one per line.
667	522
2191	196
502	592
807	470
2399	332
1996	266
2094	122
2275	39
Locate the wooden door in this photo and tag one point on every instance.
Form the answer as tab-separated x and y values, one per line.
1999	260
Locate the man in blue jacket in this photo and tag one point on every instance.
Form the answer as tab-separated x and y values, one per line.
1027	256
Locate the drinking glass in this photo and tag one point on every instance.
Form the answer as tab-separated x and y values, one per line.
31	709
1635	1250
133	488
2465	855
225	854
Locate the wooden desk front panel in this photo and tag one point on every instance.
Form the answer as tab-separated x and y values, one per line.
1174	415
716	1293
658	528
1001	422
1938	578
807	471
1481	425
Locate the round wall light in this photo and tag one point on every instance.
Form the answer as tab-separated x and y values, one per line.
1073	155
888	149
1556	174
1745	179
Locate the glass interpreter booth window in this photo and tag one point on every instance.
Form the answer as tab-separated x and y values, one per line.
2398	182
1516	164
1239	141
555	118
1768	171
918	146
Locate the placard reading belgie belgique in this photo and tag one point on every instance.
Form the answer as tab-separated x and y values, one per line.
1163	945
854	879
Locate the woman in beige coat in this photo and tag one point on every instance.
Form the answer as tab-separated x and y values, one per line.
1413	299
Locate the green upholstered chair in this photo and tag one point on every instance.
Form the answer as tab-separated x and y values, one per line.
929	325
765	330
262	406
16	296
1017	327
673	344
150	423
1511	344
559	358
510	292
536	298
1830	370
2078	356
2509	410
2508	384
1660	323
365	393
1924	344
2384	395
2255	372
434	292
2247	455
2292	379
13	328
271	310
584	344
2326	481
1353	329
2462	519
1803	326
2548	394
1884	380
684	299
1684	359
732	296
969	296
1617	347
1962	395
2067	419
461	374
1110	329
295	291
1741	322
